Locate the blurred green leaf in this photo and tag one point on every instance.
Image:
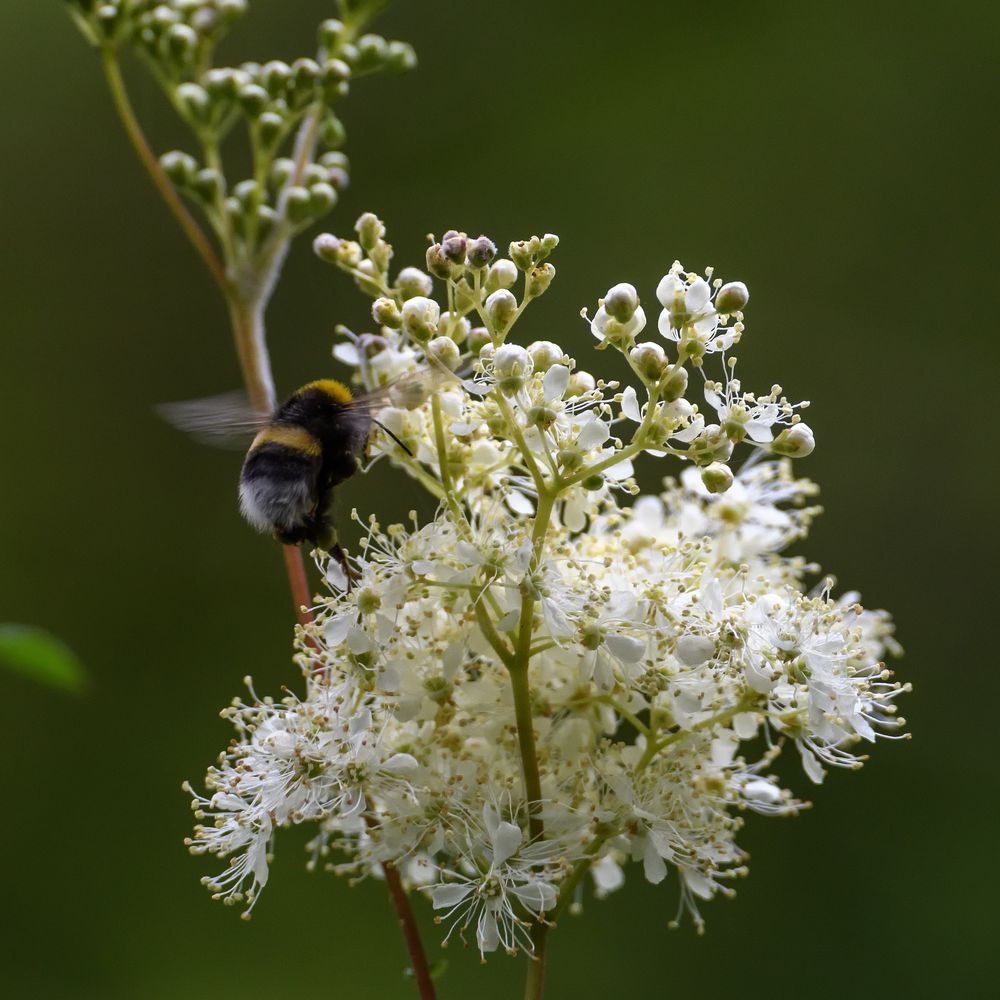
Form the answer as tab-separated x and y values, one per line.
40	656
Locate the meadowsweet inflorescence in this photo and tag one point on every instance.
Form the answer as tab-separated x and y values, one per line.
542	682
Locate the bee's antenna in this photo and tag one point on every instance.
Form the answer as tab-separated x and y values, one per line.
393	436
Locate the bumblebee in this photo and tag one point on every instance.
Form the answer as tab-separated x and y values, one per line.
311	444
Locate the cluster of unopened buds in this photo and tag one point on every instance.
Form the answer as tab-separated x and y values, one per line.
550	680
283	107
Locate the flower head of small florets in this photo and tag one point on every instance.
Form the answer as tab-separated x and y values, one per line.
674	647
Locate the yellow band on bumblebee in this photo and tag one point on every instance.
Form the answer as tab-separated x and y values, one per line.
296	438
337	391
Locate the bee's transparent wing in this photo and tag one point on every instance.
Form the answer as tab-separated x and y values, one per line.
224	421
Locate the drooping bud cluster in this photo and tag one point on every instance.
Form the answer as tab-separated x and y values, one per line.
657	655
281	106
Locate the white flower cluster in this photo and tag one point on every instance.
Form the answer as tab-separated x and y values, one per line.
542	683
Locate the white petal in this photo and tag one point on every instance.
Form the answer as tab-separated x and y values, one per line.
446	896
347	353
697	295
745	725
400	763
653	865
630	404
336	629
608	875
519	503
666	328
506	840
667	289
698	884
555	382
537	896
595	432
810	764
487	935
625	647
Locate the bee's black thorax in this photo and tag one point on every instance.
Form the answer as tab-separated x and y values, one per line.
328	415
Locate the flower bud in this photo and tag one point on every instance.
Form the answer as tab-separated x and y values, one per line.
501	308
456	327
521	255
545	354
732	297
420	318
230	10
335	79
107	20
712	445
247	194
453	246
717	477
399	57
511	366
569	459
180	42
385	312
253	99
537	280
621	301
179	167
503	274
332	133
542	417
281	172
209	185
266	219
326	246
276	76
329	33
444	350
796	441
371	52
370	230
481	251
479	340
270	127
438	264
649	360
297	204
412	282
193	102
675	384
322	197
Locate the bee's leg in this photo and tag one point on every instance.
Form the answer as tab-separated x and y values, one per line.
324	532
341	556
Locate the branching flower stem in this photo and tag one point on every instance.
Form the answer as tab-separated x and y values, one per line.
246	297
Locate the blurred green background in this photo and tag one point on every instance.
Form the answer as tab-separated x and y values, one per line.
833	156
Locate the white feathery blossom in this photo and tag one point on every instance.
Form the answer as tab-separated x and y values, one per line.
675	649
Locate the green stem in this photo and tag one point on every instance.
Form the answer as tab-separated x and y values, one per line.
653	747
534	983
119	97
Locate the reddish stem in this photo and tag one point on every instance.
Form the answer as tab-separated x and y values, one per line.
296	568
411	935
